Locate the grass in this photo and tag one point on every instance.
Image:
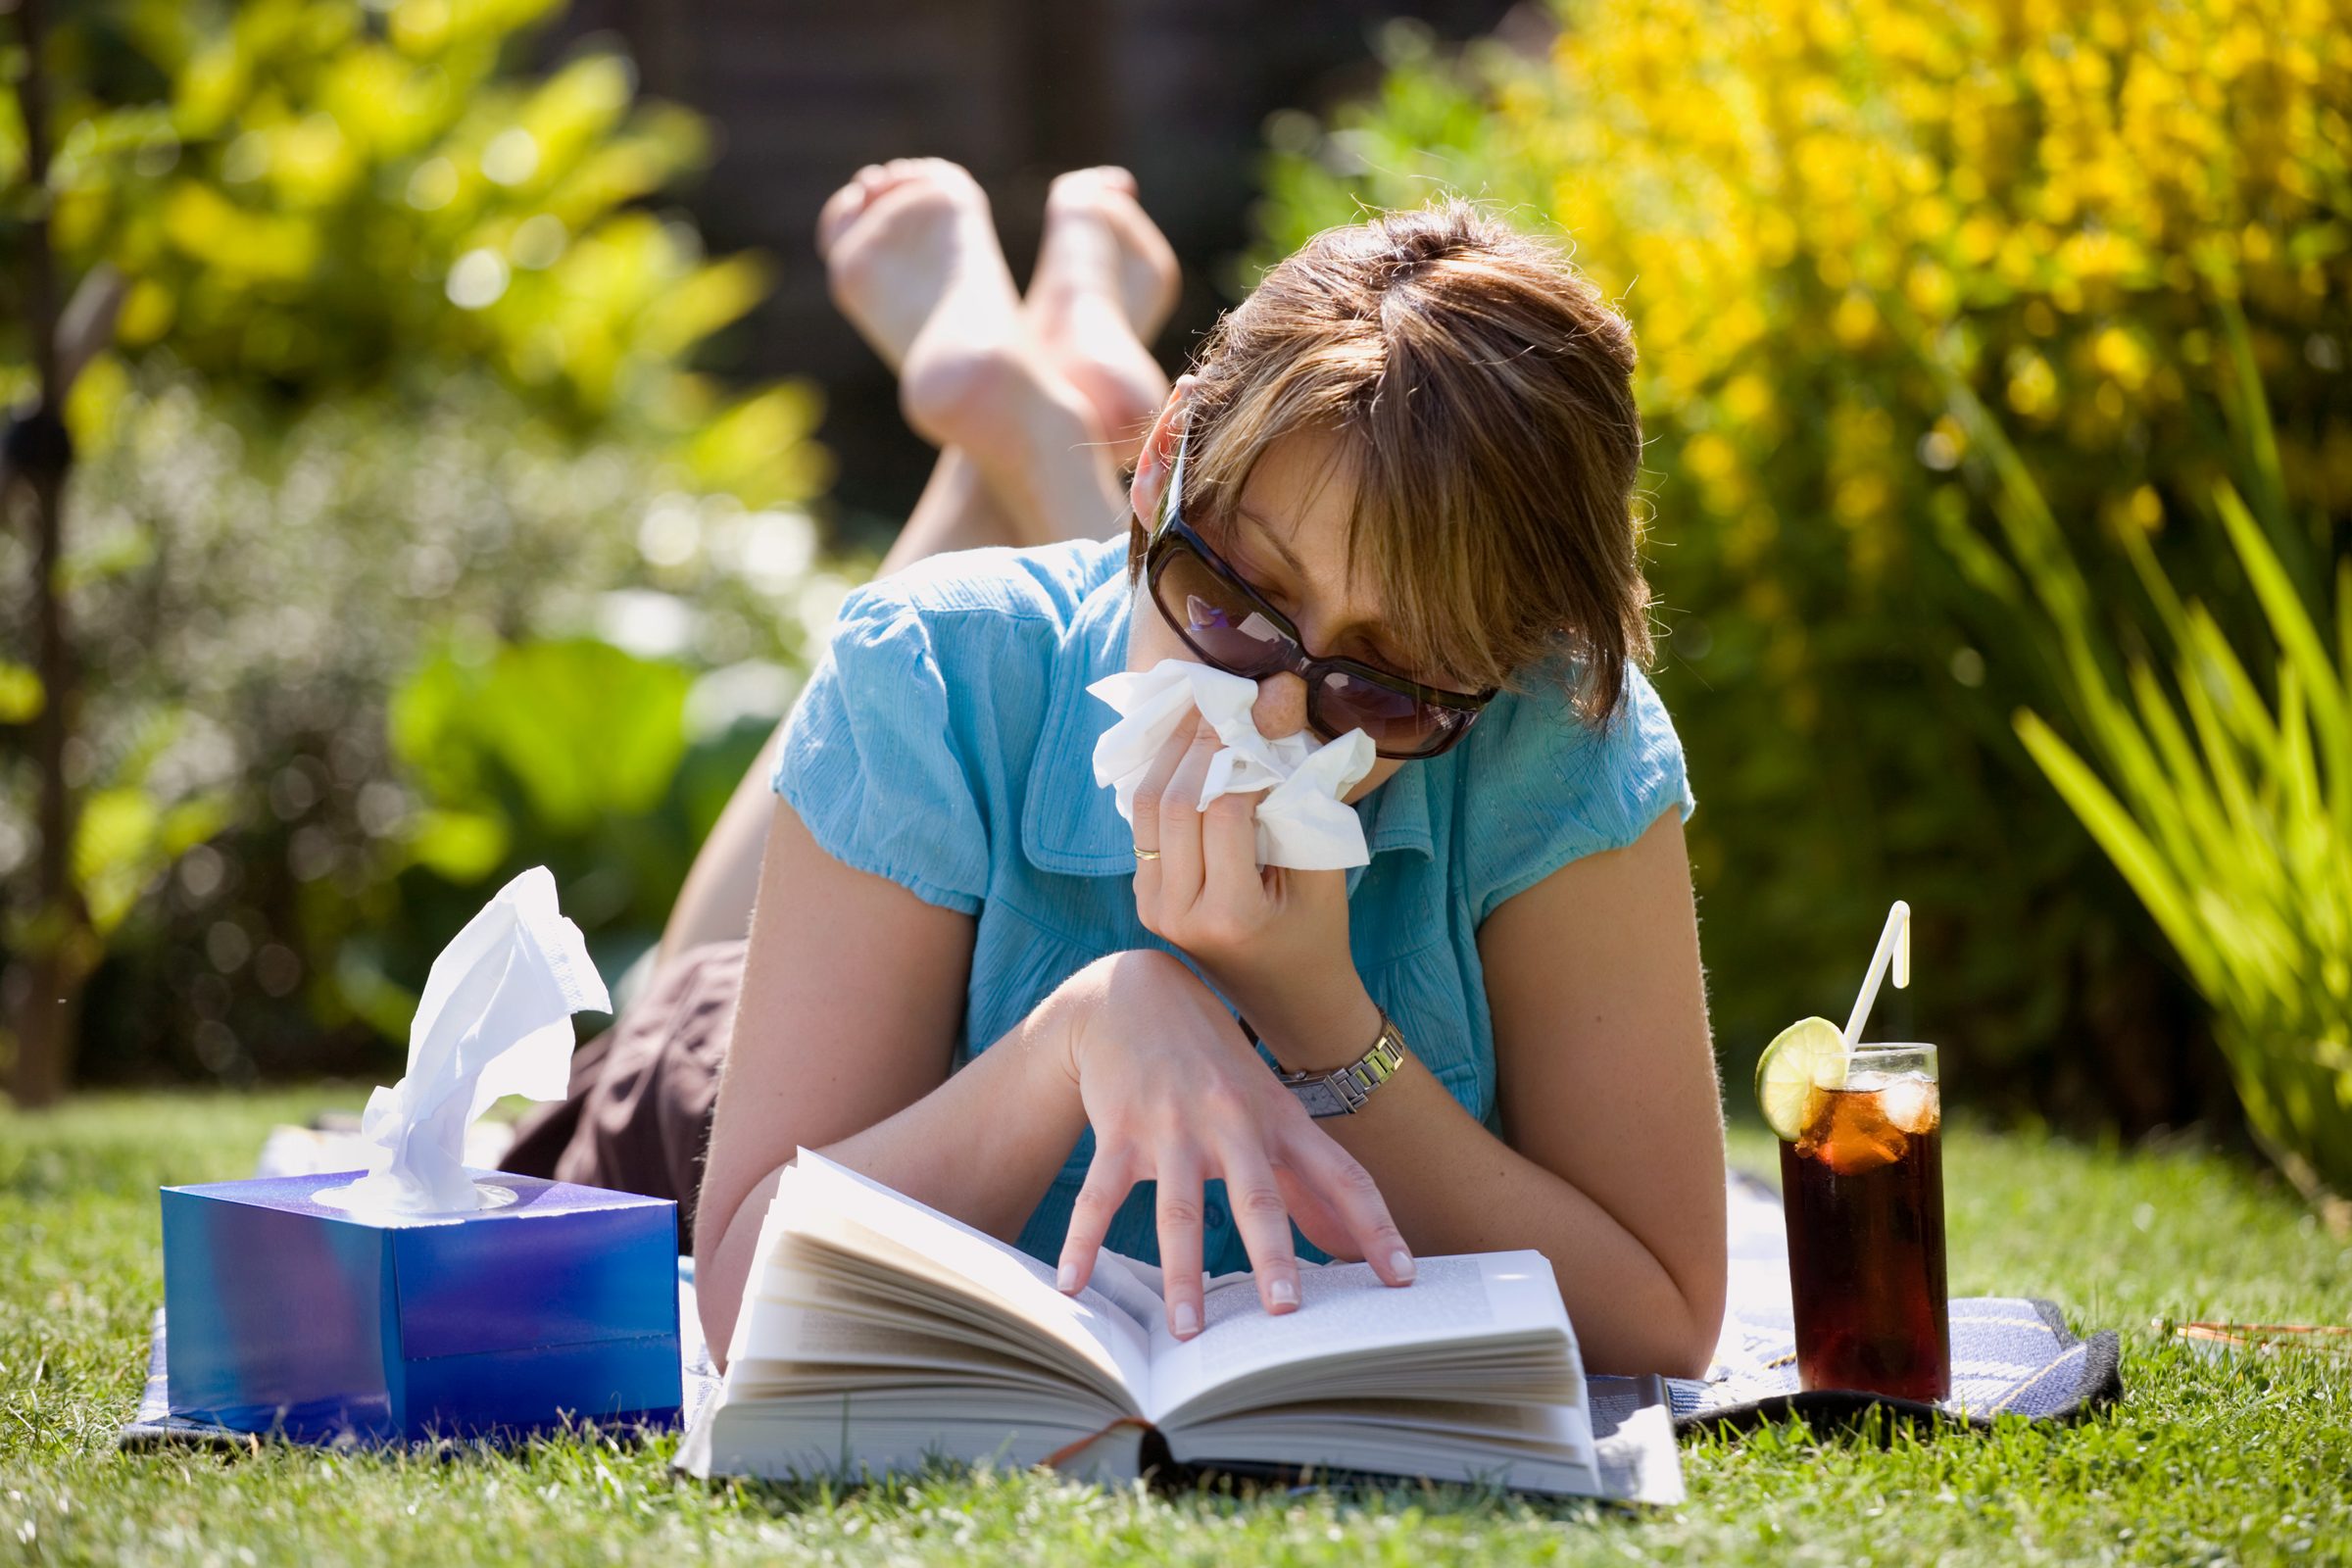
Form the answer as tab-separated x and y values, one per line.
2206	1460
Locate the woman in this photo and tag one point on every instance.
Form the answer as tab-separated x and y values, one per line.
1403	471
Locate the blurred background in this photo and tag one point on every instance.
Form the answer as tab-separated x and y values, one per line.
433	454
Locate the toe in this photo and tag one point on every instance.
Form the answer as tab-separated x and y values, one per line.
894	173
841	208
955	177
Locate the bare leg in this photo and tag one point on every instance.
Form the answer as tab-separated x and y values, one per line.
1104	280
714	904
956	513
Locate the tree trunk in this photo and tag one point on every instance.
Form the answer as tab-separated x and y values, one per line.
58	948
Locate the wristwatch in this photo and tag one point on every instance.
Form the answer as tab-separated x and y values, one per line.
1342	1091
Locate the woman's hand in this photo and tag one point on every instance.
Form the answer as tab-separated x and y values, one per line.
1274	939
1177	1096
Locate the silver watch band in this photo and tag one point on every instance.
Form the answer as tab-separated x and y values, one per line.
1342	1091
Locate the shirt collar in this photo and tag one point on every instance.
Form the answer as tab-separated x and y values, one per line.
1069	823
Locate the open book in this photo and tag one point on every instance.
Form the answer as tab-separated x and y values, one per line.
878	1334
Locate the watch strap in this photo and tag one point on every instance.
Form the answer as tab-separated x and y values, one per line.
1342	1091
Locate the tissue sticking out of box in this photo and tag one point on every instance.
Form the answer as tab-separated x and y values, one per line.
495	1019
1301	821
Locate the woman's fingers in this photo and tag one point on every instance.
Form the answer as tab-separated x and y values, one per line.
1264	1221
1178	1180
1315	1219
1108	1183
1343	1183
1230	878
1180	821
1149	797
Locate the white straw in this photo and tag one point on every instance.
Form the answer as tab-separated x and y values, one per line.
1894	942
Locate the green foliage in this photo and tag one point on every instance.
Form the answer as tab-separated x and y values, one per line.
2210	1459
21	695
405	394
360	667
1831	227
564	752
123	842
2235	828
587	730
310	198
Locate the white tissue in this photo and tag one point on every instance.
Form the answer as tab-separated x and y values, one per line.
495	1019
1302	823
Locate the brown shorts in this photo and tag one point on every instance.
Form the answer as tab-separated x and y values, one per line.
638	1115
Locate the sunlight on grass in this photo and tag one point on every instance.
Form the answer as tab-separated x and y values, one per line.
2206	1459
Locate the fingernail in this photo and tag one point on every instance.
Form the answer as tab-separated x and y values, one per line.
1065	1279
1284	1291
1188	1320
1400	1265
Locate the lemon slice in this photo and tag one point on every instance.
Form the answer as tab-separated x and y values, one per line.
1799	1057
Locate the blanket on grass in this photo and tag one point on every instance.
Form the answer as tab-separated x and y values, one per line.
2010	1355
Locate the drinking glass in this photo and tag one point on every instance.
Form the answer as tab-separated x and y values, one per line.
1863	1187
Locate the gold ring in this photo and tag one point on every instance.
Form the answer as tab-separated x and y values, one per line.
1146	855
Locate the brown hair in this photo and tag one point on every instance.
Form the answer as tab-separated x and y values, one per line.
1485	391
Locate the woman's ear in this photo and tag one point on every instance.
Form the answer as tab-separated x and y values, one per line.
1158	454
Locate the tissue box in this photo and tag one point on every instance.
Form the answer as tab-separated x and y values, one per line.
283	1312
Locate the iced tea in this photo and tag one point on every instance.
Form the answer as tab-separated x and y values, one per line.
1863	1187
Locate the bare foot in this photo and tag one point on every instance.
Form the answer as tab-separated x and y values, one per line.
1147	271
904	239
1106	281
994	398
911	254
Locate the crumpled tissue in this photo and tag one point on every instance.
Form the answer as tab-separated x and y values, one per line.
495	1019
1302	823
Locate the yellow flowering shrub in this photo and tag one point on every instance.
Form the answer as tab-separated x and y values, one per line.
1813	212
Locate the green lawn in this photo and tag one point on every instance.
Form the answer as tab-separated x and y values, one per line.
2205	1461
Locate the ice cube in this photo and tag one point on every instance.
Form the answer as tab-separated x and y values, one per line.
1909	1102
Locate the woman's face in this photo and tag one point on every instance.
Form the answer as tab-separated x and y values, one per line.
1287	538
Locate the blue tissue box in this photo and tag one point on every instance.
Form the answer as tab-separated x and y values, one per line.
286	1314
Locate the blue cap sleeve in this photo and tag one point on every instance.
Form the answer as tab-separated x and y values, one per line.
1548	787
874	762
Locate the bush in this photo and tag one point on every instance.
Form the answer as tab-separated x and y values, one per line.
403	422
347	675
312	198
1806	211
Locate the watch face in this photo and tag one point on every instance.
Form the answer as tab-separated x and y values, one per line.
1321	1098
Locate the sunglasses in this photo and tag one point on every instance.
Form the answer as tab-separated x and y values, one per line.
1230	625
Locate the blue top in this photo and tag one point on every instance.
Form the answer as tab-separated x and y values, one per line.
945	741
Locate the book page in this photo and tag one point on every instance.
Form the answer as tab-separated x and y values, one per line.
1345	1310
973	1262
1131	1285
1535	1447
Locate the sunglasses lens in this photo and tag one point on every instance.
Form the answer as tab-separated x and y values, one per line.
1399	724
1218	621
1221	624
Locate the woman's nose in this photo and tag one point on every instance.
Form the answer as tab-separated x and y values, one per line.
1281	705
